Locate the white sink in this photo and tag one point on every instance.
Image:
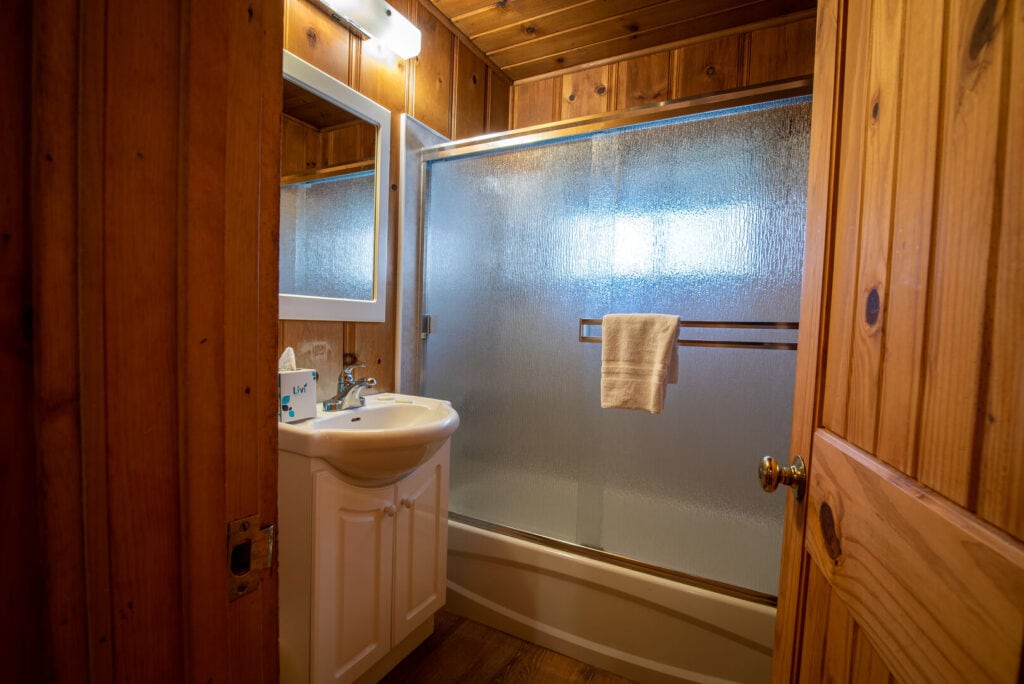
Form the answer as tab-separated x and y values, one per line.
377	443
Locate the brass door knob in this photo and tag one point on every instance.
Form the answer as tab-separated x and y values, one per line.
772	475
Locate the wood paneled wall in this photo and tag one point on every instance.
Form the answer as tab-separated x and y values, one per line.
308	153
449	87
782	50
147	414
22	580
924	367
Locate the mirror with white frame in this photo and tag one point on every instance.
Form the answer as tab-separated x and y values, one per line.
334	208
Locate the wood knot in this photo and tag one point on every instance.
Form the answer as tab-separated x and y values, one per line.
984	28
529	30
572	97
828	532
473	78
311	36
875	109
710	71
601	89
873	307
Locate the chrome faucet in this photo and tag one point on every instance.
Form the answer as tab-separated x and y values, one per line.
350	390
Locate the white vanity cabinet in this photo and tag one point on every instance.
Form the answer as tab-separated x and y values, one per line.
353	552
421	546
359	589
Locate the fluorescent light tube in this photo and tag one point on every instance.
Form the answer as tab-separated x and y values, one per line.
377	19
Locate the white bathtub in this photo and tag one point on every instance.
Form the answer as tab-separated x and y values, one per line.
632	623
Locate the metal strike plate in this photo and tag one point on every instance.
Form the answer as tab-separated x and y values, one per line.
250	555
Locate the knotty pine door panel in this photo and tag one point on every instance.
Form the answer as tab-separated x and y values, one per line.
905	559
926	278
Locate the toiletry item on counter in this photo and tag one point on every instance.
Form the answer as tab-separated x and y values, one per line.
296	389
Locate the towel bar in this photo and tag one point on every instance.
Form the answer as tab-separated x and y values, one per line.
762	325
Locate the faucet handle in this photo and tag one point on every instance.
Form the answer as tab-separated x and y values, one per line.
346	373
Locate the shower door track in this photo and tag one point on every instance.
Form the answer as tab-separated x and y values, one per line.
620	561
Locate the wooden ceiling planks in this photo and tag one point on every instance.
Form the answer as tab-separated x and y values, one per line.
562	30
528	38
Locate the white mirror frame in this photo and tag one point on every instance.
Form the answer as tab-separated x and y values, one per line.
307	308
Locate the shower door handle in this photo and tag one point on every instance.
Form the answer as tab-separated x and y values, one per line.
772	475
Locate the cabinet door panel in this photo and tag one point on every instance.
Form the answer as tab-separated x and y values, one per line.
421	543
353	529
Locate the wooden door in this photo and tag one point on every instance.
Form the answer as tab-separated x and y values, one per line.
905	559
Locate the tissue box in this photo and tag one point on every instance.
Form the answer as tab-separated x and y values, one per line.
297	391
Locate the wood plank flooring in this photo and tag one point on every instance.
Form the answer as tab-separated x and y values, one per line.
461	650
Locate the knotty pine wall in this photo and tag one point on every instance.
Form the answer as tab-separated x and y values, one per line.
308	153
772	51
23	580
449	87
452	89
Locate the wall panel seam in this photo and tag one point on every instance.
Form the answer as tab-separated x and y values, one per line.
864	122
939	162
840	93
991	289
897	135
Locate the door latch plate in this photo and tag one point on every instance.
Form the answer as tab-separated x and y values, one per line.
250	555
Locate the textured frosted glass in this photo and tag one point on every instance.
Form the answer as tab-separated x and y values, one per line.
327	237
700	217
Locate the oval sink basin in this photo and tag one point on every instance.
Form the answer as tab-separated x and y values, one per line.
377	443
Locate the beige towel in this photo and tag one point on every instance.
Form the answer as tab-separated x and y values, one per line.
638	358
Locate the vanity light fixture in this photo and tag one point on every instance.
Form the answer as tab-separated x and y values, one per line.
379	20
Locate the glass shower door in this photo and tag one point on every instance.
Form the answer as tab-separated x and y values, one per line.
700	217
